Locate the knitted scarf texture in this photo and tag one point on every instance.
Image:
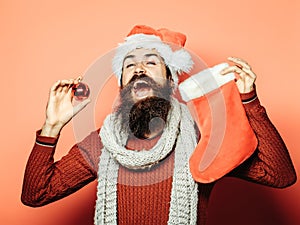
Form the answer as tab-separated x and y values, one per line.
179	132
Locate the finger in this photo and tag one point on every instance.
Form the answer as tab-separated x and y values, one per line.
63	85
241	63
242	77
81	105
70	93
65	89
55	85
245	84
67	82
239	71
59	85
249	72
58	89
231	69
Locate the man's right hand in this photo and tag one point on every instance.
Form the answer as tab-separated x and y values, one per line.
60	109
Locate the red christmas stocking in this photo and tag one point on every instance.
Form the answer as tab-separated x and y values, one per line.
226	136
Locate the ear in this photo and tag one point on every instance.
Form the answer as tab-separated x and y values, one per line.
170	77
172	83
121	81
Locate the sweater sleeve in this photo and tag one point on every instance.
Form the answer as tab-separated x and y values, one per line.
46	181
270	164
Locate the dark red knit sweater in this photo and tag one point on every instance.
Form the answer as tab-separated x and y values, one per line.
147	199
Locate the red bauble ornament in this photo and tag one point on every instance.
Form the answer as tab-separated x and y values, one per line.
81	91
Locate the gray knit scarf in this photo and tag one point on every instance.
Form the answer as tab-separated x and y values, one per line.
179	131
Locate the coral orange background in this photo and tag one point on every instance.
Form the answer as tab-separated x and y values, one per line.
45	41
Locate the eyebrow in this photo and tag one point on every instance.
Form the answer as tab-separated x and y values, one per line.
146	55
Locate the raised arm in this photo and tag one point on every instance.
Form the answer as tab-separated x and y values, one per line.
46	181
271	163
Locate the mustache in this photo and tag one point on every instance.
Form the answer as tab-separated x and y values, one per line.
126	90
142	77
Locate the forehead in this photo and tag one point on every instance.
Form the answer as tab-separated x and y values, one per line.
142	53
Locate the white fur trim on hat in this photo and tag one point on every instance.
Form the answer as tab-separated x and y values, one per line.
178	61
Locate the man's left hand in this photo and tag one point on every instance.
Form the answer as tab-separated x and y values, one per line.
245	77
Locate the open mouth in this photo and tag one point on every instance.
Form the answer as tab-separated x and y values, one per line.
141	89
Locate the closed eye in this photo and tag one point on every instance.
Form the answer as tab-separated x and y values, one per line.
151	63
130	65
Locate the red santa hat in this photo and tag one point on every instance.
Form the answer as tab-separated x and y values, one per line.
169	44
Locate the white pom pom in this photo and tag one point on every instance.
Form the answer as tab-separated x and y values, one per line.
182	61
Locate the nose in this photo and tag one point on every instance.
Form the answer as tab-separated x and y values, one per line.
139	69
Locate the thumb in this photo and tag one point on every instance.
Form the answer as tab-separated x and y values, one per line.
81	105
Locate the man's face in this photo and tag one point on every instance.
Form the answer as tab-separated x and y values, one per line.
145	93
146	63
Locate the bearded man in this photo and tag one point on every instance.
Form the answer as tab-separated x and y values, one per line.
146	156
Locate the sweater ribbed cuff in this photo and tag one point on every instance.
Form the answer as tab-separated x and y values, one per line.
250	99
45	141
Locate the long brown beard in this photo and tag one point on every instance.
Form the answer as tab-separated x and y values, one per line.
147	115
